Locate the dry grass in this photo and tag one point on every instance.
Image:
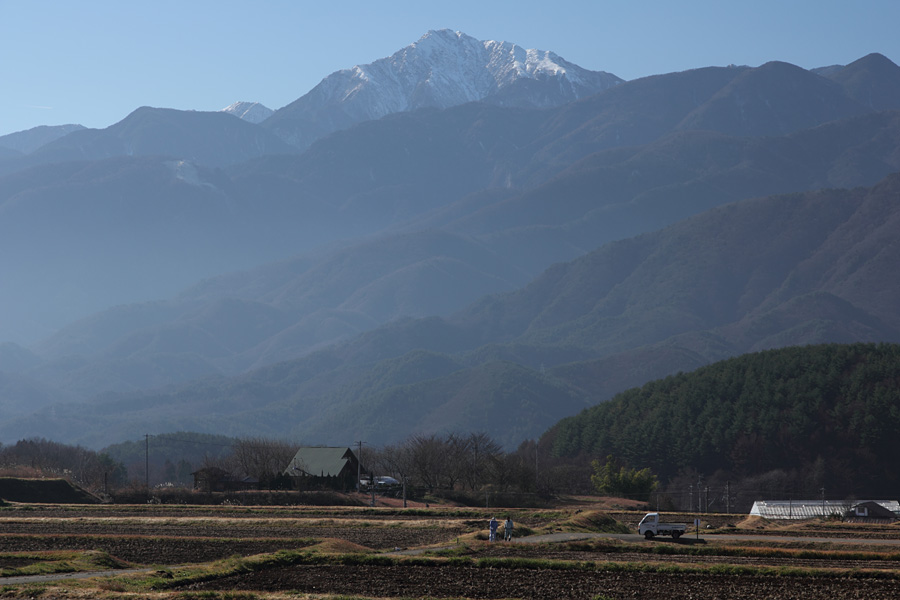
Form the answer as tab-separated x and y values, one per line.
757	523
596	521
337	546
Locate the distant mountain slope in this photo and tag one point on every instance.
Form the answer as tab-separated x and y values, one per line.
266	210
8	154
710	271
774	99
746	276
873	81
814	411
30	140
443	69
621	192
286	309
326	296
116	230
206	138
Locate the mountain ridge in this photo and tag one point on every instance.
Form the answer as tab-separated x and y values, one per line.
213	139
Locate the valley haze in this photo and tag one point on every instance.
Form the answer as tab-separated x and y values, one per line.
465	235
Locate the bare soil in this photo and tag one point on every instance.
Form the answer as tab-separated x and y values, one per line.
522	551
470	582
67	535
148	550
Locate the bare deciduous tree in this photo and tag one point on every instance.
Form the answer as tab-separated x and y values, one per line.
483	461
428	460
263	459
433	461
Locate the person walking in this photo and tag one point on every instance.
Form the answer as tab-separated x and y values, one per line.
494	524
508	529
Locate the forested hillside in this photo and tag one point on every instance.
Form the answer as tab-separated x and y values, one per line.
830	413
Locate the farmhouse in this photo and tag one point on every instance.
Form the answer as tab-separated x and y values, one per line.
322	467
811	509
214	479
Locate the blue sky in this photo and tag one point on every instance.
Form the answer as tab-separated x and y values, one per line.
93	62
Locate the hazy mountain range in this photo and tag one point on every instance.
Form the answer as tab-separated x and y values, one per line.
383	246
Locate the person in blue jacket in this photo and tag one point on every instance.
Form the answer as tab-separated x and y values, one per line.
494	525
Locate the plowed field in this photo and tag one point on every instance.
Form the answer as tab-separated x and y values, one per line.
170	537
462	582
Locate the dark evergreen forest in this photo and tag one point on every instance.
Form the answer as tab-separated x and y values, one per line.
824	417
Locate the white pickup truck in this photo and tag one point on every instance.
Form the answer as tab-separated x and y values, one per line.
650	527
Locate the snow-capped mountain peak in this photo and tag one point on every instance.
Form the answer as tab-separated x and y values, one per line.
443	68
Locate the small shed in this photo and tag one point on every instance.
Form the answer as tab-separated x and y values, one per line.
324	467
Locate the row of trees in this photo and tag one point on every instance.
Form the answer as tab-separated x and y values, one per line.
451	461
39	457
464	462
470	463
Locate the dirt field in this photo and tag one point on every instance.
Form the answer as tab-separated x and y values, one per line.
457	582
167	537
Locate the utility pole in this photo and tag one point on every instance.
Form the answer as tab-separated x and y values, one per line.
699	494
147	463
728	497
358	464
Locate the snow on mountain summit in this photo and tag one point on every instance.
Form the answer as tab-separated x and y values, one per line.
443	68
254	112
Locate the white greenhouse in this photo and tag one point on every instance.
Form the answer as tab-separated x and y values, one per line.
811	509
